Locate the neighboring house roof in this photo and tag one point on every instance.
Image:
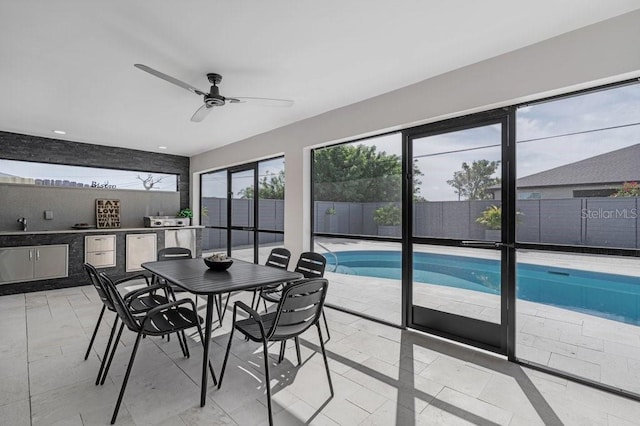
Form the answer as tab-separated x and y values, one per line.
6	175
622	165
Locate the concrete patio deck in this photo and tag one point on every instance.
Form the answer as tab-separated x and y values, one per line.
382	376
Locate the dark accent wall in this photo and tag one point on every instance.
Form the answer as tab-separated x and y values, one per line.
14	146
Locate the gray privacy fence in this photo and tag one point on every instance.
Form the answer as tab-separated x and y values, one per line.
605	222
271	214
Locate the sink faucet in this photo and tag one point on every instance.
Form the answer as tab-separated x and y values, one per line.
23	221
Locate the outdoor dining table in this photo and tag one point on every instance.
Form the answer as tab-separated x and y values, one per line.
194	276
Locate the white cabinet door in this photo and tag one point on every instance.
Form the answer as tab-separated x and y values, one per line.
185	238
140	248
50	261
16	264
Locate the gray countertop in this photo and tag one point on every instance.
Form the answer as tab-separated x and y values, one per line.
79	231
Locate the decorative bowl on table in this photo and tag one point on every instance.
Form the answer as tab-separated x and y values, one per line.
218	262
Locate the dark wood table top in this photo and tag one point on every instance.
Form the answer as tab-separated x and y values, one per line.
195	277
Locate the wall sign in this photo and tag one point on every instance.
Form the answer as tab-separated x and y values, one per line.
108	213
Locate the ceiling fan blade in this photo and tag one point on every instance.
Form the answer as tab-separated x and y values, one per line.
260	101
201	113
169	79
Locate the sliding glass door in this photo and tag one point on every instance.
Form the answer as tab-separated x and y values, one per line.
455	261
243	210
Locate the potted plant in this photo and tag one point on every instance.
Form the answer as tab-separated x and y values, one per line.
388	218
185	213
331	220
491	218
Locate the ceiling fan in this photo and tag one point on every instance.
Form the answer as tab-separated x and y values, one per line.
214	98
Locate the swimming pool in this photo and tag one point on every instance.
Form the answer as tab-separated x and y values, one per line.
609	296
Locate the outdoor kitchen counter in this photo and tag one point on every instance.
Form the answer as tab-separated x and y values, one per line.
75	239
101	230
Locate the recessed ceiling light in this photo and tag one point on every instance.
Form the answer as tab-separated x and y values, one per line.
162	147
59	132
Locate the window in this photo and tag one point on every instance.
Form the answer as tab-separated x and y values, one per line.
45	174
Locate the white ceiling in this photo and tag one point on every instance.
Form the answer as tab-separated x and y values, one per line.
68	64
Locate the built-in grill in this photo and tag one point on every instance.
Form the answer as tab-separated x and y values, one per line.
165	221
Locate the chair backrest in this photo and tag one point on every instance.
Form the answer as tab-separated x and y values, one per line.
92	272
311	265
299	308
118	303
174	253
279	258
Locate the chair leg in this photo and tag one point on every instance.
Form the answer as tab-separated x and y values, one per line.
326	325
106	350
324	356
213	375
126	378
297	340
226	355
282	348
218	303
183	344
224	311
113	352
95	331
267	380
253	299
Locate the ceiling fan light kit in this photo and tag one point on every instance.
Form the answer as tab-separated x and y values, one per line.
213	98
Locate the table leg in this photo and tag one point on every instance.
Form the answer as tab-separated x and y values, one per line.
205	358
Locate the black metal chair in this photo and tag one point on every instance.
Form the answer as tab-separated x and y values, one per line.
139	303
310	265
278	258
172	253
172	317
299	308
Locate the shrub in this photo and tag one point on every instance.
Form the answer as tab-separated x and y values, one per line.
389	215
491	217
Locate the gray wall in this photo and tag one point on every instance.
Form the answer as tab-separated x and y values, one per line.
77	206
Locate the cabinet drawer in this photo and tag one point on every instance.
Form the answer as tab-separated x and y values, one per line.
101	259
99	243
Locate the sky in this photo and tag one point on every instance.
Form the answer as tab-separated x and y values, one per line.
577	114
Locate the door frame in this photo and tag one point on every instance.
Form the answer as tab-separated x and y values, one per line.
251	228
499	338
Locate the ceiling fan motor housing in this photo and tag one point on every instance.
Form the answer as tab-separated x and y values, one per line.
214	98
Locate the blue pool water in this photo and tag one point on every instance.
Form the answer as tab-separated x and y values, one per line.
609	296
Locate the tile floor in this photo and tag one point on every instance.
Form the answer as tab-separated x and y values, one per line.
381	375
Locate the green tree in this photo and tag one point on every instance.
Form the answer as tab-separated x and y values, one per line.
358	173
269	187
473	181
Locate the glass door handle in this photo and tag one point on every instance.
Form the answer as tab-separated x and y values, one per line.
481	244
